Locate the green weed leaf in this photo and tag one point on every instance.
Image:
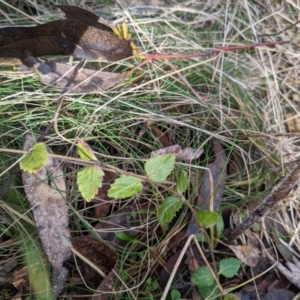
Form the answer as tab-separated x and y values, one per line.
124	187
207	218
229	267
202	277
35	159
175	294
85	151
182	182
167	210
89	179
159	167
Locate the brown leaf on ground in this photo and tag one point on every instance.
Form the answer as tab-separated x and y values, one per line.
291	272
84	16
162	136
104	258
213	182
80	81
96	251
272	281
101	200
63	37
250	254
211	186
275	294
46	193
187	154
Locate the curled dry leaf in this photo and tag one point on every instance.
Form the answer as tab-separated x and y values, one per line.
50	213
79	81
250	254
104	257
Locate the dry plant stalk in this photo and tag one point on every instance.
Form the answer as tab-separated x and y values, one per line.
267	205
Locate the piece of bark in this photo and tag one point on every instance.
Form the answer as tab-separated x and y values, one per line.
46	193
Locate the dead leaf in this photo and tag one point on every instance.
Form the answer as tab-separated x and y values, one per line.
48	202
63	37
292	122
276	294
101	200
104	257
163	137
84	16
188	154
250	254
61	76
96	251
218	175
291	272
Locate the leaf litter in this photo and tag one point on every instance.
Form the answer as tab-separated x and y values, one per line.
209	194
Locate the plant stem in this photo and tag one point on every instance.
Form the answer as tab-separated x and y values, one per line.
149	57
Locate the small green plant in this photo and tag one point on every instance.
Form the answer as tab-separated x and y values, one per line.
205	281
151	287
175	294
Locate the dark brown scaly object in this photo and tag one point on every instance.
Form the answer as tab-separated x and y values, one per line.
63	37
267	205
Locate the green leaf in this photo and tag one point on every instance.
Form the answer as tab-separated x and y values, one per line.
220	225
232	297
202	277
167	210
85	151
89	179
175	295
35	159
229	267
210	292
182	182
124	187
159	167
124	236
207	218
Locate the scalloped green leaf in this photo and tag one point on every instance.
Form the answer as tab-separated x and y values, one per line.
35	159
85	151
229	267
202	277
167	210
207	218
159	167
124	187
89	179
182	182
